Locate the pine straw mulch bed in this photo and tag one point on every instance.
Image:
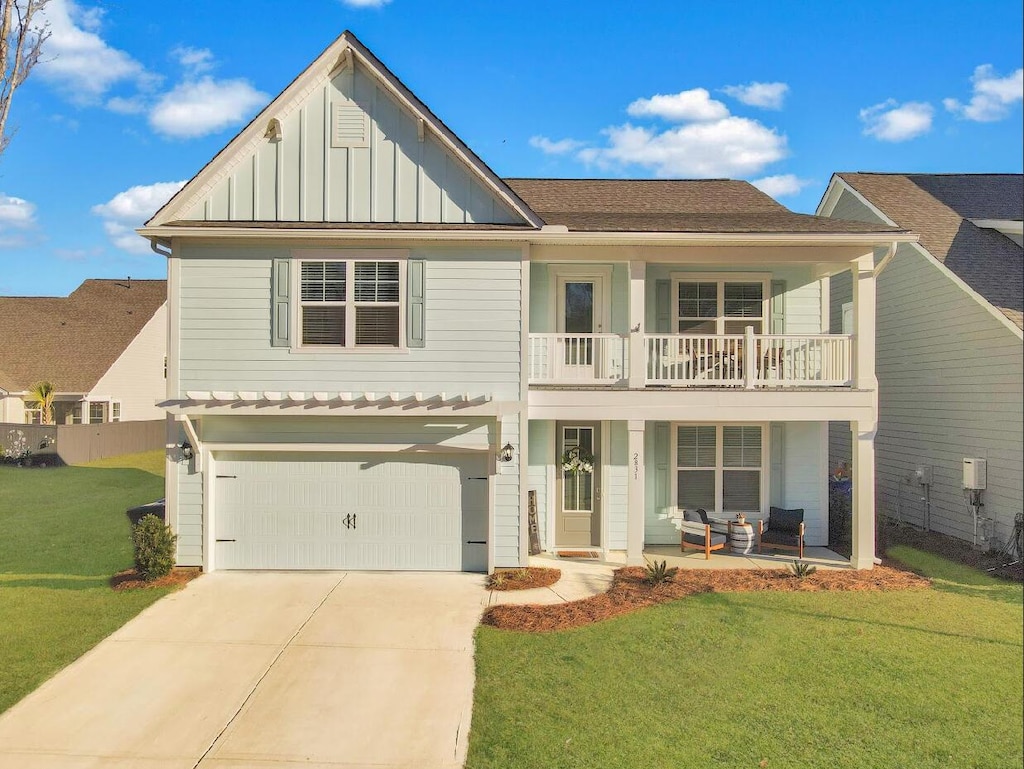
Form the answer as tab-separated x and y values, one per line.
523	579
130	579
630	592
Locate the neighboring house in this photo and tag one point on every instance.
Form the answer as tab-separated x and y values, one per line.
380	351
102	347
950	356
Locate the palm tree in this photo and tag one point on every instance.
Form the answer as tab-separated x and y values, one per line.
42	395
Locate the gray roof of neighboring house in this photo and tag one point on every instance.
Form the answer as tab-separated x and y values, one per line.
72	341
670	205
938	206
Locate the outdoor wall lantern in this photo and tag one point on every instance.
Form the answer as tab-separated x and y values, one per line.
186	450
506	452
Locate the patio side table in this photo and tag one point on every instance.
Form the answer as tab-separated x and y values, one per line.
741	538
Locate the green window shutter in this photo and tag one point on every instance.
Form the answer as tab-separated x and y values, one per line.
416	327
778	308
280	305
661	460
663	307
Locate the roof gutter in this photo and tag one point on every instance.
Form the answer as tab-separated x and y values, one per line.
886	259
160	246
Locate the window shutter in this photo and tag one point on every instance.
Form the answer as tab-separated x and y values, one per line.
777	450
663	307
280	308
416	331
778	308
661	459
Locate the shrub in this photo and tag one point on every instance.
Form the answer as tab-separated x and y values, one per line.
659	572
802	569
154	548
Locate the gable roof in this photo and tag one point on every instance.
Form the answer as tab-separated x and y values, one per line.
670	205
343	53
939	207
72	341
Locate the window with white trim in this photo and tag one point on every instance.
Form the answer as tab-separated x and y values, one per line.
710	306
115	411
719	468
350	303
97	413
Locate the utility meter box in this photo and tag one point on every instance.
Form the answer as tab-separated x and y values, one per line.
923	475
975	473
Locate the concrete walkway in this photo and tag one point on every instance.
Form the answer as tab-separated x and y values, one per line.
267	671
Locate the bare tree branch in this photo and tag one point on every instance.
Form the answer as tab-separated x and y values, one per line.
21	41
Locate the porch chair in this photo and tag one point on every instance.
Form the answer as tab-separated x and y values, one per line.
784	530
695	533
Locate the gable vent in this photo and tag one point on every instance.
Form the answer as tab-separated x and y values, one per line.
351	126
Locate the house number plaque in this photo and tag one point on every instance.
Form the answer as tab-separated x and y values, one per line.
636	465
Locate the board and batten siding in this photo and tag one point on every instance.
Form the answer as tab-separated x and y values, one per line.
950	386
472	329
396	175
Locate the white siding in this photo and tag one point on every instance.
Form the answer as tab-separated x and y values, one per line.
542	457
189	526
395	178
803	308
507	507
12	409
616	501
136	378
472	329
806	475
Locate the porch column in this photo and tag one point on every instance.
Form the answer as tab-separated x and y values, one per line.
863	551
864	323
635	488
637	344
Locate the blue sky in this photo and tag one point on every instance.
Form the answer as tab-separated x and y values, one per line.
134	99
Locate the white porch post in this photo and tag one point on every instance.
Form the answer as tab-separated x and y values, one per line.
637	343
635	488
863	551
864	323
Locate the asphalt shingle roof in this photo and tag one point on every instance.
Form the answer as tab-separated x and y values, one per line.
72	341
938	206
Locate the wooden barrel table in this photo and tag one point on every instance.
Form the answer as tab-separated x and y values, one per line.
741	538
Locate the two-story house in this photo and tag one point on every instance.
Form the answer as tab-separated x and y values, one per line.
378	348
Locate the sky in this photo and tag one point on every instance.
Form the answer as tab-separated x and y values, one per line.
131	99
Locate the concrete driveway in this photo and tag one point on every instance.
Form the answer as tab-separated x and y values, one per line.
267	670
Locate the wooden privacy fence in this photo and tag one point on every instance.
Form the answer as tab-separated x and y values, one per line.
75	444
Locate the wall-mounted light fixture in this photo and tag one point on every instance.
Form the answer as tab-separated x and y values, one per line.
186	450
506	453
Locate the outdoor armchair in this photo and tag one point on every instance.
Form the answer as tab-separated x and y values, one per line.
784	530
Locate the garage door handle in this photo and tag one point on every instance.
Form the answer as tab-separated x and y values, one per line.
476	541
227	476
225	540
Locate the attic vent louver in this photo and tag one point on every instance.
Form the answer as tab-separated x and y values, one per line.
351	126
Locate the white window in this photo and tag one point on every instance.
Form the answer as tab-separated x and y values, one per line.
712	305
115	411
33	415
350	303
97	413
719	468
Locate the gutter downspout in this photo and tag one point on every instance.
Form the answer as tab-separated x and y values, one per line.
160	246
885	260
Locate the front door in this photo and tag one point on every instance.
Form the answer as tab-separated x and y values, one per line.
578	517
580	315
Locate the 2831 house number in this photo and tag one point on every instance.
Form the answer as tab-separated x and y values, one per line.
636	465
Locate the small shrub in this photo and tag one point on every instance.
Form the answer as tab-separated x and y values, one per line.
802	569
154	548
496	580
659	572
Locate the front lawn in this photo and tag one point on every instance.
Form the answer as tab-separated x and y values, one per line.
922	678
63	533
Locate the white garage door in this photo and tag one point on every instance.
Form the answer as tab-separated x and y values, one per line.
346	511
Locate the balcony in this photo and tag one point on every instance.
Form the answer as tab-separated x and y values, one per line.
747	360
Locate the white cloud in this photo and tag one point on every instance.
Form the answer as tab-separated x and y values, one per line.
130	209
685	106
17	217
77	61
730	147
194	60
992	95
365	3
781	186
549	147
126	106
205	106
894	122
764	95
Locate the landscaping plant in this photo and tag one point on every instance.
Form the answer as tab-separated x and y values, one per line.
154	547
802	569
659	572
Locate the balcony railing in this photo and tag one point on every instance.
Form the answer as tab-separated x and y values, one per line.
581	359
749	360
678	360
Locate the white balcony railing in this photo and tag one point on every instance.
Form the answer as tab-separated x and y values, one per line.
749	360
580	359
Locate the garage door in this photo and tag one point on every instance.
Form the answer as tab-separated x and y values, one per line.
346	511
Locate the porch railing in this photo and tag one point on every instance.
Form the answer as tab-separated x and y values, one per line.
749	360
580	359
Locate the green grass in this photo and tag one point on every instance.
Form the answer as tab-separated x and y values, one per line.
63	533
923	678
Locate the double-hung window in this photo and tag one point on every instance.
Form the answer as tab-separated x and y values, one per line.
719	468
350	303
720	306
